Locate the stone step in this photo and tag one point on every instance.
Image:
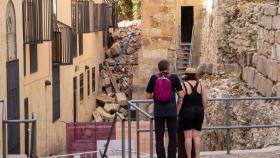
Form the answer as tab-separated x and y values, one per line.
182	58
185	44
182	62
183	54
186	49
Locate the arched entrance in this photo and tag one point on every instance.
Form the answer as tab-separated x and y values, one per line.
12	67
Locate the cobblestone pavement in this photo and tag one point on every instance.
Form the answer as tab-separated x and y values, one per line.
271	152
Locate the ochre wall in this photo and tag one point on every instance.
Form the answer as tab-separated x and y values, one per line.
51	135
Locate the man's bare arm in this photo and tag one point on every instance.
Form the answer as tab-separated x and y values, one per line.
149	95
181	95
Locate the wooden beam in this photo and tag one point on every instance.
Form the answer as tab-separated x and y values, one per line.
113	79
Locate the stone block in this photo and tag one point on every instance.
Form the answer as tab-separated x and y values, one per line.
111	108
209	68
121	99
249	57
106	82
277	36
274	70
276	22
263	85
262	65
277	52
248	75
270	10
255	59
103	99
116	48
266	50
273	52
268	22
271	36
276	90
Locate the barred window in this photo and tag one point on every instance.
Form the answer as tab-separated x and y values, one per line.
82	86
81	46
93	79
56	91
88	82
33	58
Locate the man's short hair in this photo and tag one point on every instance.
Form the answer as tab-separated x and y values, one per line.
163	65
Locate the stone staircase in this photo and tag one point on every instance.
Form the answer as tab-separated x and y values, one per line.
183	57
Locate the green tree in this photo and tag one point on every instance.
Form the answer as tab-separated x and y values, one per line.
129	9
125	10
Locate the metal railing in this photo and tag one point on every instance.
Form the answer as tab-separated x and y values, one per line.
192	45
80	155
134	105
117	115
5	122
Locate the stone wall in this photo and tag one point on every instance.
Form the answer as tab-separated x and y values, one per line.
160	21
158	40
242	36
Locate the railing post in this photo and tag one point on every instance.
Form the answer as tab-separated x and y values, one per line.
4	130
109	137
129	129
137	132
228	141
151	138
34	138
123	138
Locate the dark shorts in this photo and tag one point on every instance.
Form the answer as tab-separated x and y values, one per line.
188	124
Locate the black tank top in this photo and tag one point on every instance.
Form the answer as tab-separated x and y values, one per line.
193	99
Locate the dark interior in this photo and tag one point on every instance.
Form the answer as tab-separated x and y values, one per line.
187	21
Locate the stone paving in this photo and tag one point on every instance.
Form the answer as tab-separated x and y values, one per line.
271	152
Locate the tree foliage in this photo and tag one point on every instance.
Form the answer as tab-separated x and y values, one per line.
129	9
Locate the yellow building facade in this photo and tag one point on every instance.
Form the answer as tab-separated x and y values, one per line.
57	76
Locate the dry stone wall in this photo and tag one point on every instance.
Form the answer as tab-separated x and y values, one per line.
244	37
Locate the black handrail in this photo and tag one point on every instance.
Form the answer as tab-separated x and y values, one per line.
104	154
134	104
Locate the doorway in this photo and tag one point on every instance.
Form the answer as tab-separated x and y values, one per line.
187	22
12	70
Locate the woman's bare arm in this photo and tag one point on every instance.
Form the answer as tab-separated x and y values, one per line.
204	96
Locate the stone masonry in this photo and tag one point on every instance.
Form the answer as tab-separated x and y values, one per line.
160	23
243	37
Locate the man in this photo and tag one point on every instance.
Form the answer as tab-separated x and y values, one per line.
162	88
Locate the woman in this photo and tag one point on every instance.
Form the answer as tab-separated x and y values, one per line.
191	113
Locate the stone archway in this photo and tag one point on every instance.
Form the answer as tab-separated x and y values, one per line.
12	69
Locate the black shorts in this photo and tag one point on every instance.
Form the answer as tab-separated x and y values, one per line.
188	124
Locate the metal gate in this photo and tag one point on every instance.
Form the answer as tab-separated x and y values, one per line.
13	106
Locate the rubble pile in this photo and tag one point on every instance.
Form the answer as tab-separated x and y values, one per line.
117	73
253	112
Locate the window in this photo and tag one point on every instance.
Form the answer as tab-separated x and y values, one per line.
75	98
81	86
37	20
96	19
93	79
56	91
75	45
63	47
88	82
33	58
81	42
